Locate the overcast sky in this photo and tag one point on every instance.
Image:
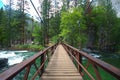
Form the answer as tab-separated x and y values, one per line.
31	10
116	5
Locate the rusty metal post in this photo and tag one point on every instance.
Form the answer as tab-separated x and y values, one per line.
37	69
97	72
74	52
42	62
27	72
52	49
80	60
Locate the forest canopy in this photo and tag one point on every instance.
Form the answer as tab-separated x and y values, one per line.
90	24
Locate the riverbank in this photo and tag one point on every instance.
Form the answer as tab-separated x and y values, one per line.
28	47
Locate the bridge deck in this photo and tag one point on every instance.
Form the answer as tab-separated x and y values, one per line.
61	67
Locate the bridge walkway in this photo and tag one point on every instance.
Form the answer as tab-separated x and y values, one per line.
61	67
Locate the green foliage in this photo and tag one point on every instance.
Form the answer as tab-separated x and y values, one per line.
10	27
104	23
3	29
45	17
25	46
36	47
115	33
54	39
100	26
32	47
37	34
71	30
54	27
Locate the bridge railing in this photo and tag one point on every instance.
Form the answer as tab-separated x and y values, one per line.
77	56
43	56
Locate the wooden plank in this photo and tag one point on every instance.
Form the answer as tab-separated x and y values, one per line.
61	74
61	67
61	78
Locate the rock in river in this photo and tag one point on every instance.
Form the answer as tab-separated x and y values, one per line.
3	62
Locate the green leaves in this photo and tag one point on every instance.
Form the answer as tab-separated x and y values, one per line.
71	30
11	27
103	25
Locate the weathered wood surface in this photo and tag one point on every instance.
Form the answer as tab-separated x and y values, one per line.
61	67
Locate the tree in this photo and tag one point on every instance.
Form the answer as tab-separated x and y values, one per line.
114	36
37	34
54	28
21	7
4	36
45	16
101	22
10	24
70	30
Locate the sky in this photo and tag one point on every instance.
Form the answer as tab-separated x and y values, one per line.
116	6
1	3
30	11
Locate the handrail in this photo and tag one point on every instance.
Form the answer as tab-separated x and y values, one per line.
107	67
73	52
13	71
81	66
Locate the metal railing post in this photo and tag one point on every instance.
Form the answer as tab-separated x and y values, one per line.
97	72
80	60
42	62
27	72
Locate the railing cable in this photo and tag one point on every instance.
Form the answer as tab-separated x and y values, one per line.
36	11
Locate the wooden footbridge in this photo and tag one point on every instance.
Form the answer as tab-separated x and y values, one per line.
61	67
64	63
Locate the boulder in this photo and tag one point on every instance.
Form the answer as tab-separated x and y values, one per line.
3	62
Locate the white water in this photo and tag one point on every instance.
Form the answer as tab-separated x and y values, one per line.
21	51
89	51
12	57
95	55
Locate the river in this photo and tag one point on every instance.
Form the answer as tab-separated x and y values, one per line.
15	57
